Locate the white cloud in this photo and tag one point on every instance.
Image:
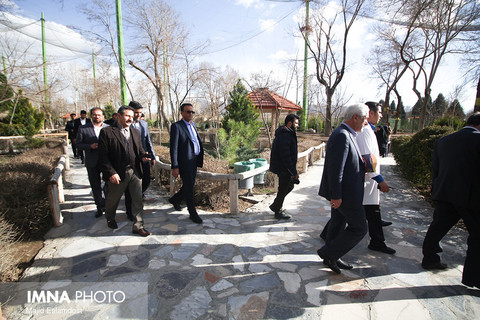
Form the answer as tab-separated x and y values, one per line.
281	55
248	3
266	24
61	41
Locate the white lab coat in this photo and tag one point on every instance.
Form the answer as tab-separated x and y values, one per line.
367	143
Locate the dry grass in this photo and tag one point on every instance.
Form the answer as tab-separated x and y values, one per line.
24	208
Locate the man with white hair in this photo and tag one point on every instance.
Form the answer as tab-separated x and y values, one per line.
342	184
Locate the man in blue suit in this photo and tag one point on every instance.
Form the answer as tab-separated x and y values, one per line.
87	141
342	184
186	154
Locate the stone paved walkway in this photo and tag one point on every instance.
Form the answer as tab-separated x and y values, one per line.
247	266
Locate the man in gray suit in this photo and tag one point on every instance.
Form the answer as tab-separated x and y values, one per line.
456	191
342	184
87	141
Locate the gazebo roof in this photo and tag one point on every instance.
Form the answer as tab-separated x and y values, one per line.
270	100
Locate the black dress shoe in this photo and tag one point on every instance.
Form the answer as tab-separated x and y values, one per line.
98	214
329	262
280	215
175	205
343	265
384	249
386	223
434	266
142	232
112	224
196	218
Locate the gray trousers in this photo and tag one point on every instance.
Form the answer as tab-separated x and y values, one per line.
115	192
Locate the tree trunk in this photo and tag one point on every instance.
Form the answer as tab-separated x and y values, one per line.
328	114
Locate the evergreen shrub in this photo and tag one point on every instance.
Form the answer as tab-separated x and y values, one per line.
413	154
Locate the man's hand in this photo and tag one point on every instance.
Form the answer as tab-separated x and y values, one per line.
115	179
94	145
383	186
336	203
175	172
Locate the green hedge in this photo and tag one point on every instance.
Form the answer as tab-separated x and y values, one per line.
413	154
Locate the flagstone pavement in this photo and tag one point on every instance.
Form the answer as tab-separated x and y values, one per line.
245	266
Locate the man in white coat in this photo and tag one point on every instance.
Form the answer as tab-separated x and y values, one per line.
374	183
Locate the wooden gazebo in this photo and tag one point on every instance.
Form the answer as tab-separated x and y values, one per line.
270	102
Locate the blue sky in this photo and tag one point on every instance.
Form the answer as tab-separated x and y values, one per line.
249	35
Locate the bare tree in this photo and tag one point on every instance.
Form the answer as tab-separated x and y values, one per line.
434	27
102	15
160	35
329	48
214	86
386	64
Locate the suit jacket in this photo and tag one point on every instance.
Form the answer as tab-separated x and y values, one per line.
77	124
112	152
344	169
70	128
456	169
85	137
145	137
182	154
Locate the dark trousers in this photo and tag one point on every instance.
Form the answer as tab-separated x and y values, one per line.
146	176
347	227
115	192
74	148
145	184
375	230
186	191
445	217
95	179
285	186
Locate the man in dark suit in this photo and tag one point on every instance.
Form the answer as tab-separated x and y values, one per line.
283	162
121	154
456	190
186	154
69	127
142	126
83	120
342	184
87	141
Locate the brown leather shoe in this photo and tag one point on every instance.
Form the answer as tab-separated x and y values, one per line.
142	232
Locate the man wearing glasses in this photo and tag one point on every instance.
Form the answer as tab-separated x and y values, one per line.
186	154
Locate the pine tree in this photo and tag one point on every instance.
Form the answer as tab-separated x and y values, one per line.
240	107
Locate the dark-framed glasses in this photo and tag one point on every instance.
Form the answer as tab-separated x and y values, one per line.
190	111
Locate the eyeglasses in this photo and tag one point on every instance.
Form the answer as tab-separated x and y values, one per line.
190	112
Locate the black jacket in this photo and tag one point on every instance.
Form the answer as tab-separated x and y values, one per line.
283	157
